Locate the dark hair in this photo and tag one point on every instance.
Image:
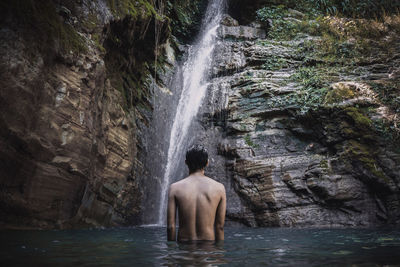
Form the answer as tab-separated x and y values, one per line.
196	158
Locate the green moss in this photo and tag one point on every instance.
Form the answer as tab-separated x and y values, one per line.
70	39
132	54
362	153
310	77
97	41
360	120
91	23
338	95
250	142
135	8
185	17
350	8
314	27
303	100
371	165
324	164
282	28
357	149
275	63
347	130
41	20
388	93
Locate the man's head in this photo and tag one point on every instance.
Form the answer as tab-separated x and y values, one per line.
196	158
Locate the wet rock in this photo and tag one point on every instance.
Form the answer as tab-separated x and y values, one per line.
295	13
241	32
229	21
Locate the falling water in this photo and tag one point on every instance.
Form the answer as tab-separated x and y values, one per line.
194	88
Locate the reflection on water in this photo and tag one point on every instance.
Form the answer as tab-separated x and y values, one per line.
147	246
201	253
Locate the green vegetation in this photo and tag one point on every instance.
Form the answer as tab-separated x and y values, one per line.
357	8
185	17
303	100
389	130
249	141
342	40
360	120
41	21
132	83
309	77
324	164
311	94
141	9
355	151
133	53
356	33
281	28
389	126
388	93
349	8
91	22
338	95
274	63
97	41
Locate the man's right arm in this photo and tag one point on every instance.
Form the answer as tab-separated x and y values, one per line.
220	216
171	215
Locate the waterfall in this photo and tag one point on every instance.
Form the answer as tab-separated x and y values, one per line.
195	78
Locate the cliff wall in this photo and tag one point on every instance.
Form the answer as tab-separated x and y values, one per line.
302	122
76	97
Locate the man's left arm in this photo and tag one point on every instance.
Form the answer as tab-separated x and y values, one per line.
220	216
171	215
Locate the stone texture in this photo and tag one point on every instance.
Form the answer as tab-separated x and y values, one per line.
327	167
241	32
70	151
75	153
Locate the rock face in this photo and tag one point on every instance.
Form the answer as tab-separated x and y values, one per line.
287	165
70	140
79	84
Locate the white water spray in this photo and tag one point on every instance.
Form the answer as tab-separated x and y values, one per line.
194	89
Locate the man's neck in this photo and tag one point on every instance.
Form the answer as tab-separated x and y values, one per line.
197	173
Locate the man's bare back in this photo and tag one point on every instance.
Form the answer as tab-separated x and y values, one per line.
201	203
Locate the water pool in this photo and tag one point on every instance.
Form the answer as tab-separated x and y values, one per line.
146	246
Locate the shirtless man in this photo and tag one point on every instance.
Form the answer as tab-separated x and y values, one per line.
200	201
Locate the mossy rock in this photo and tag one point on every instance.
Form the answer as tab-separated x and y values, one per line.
132	56
343	91
140	9
339	94
40	21
325	165
249	141
91	23
185	18
359	119
358	152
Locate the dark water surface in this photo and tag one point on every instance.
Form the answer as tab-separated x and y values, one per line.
146	246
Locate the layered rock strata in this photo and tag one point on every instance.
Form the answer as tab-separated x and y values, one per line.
71	116
286	164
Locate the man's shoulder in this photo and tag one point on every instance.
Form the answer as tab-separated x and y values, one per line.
175	185
216	184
